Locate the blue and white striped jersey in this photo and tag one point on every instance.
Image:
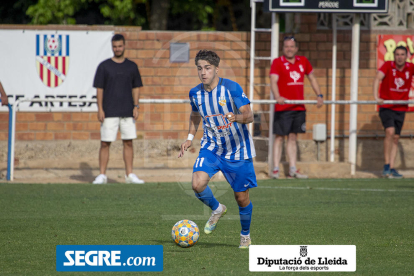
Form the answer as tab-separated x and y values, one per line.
229	140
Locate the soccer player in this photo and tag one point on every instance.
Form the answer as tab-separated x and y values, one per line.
226	146
395	78
287	75
117	82
3	96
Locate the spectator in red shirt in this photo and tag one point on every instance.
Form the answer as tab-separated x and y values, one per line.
395	78
287	76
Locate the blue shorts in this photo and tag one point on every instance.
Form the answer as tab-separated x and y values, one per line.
239	173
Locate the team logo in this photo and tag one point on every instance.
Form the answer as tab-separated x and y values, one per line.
294	75
407	75
301	68
244	95
222	101
303	251
303	127
399	82
52	58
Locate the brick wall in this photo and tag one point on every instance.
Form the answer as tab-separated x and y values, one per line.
162	79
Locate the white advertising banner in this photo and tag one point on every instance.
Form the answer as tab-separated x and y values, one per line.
52	65
302	258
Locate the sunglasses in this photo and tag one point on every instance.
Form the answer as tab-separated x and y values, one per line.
289	38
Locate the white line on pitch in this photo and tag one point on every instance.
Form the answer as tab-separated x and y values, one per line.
335	189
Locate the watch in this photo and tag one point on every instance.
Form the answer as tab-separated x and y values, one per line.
136	105
320	96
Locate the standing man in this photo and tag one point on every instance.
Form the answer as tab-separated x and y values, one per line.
396	78
117	81
3	96
287	75
226	144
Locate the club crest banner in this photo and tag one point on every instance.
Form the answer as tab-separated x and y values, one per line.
52	64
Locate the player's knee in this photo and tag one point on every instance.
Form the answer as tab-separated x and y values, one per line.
292	137
390	130
396	138
105	145
242	199
198	187
127	143
279	138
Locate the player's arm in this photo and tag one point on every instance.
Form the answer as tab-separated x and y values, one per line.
4	99
316	89
195	119
135	97
378	78
99	99
245	116
275	89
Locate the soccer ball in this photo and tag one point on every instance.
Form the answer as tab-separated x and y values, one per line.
185	233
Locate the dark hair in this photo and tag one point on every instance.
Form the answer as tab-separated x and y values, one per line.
118	37
209	56
291	38
401	48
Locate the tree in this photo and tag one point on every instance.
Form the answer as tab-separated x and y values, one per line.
159	14
55	11
150	14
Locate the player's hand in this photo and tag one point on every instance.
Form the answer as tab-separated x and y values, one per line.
184	146
101	116
231	117
280	100
135	113
4	101
319	102
379	101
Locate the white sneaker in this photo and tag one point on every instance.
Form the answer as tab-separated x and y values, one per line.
100	179
133	179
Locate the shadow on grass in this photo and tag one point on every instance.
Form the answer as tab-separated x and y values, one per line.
86	174
199	244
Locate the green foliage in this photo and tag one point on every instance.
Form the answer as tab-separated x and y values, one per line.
55	11
201	9
121	12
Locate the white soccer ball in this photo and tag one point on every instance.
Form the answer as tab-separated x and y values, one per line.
185	233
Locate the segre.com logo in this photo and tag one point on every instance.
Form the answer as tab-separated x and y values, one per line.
109	258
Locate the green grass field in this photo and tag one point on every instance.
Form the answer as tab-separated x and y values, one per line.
376	215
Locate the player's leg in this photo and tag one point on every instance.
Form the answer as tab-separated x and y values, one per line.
277	154
387	120
128	153
298	126
128	133
394	148
242	177
109	129
388	141
398	121
245	211
204	168
281	126
291	150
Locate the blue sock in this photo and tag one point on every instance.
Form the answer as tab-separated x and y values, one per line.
246	218
386	167
208	198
